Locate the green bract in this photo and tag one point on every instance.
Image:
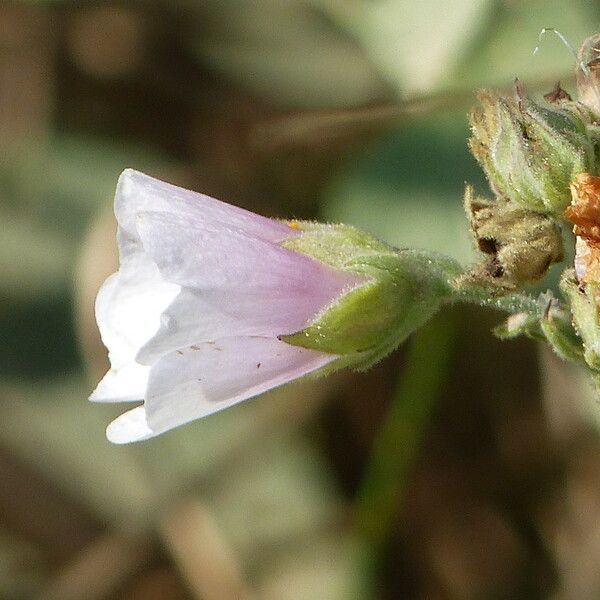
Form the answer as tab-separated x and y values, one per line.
403	290
530	152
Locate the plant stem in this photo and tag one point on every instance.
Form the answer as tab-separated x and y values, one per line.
512	303
399	439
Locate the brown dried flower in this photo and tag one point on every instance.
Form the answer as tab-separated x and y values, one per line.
518	245
584	213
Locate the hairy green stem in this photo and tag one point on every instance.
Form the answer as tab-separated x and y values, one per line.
512	303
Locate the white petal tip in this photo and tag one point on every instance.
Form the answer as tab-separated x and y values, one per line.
105	394
130	173
96	397
129	427
102	394
127	384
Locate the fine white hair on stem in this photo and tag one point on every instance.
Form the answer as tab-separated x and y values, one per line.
562	38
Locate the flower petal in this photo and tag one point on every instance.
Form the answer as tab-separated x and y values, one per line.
129	427
128	311
193	253
138	192
203	316
123	384
233	284
198	316
209	377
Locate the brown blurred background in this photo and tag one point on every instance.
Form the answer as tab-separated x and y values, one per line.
346	110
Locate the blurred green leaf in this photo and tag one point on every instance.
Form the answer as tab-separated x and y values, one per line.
270	490
399	439
415	45
285	51
33	260
48	192
505	48
291	497
407	187
22	569
50	426
327	568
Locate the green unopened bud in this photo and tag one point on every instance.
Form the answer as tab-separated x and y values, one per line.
586	319
551	323
557	326
517	324
404	289
531	152
518	244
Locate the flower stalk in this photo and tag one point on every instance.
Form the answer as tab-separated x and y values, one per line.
399	439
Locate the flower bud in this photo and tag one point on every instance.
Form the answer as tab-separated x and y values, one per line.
531	152
551	323
405	289
557	326
586	318
520	323
519	245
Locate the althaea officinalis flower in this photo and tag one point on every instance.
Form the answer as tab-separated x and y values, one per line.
213	304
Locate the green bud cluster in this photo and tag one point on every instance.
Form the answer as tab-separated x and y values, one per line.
533	153
583	303
550	322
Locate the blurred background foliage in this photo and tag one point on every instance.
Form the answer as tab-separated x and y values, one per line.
459	468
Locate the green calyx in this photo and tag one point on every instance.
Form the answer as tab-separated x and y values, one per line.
531	152
403	290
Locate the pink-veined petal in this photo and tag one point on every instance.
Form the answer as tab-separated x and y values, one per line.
202	316
195	254
197	316
234	285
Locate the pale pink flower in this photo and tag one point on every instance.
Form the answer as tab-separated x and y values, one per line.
193	315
